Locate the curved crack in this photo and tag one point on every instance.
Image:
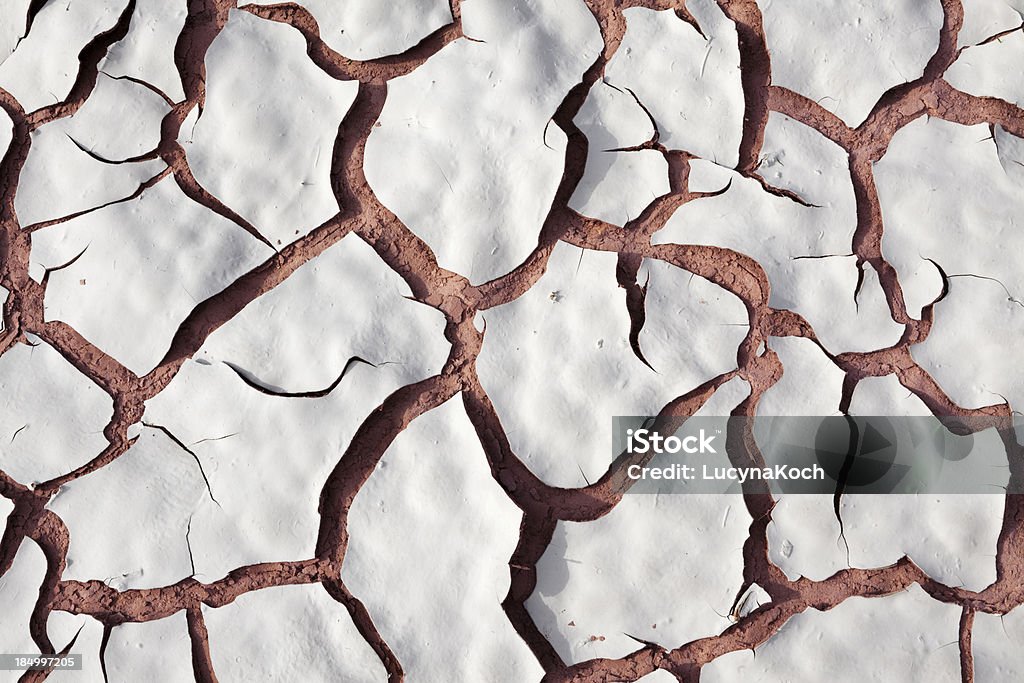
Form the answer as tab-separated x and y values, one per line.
263	388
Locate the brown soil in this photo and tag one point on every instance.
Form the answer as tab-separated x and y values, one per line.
459	300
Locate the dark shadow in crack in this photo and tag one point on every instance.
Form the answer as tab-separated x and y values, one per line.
271	390
552	579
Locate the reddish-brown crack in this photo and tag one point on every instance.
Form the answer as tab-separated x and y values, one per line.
966	656
543	506
202	663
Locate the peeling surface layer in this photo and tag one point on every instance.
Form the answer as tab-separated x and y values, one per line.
315	316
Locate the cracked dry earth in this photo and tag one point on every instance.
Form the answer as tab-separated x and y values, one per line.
316	316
